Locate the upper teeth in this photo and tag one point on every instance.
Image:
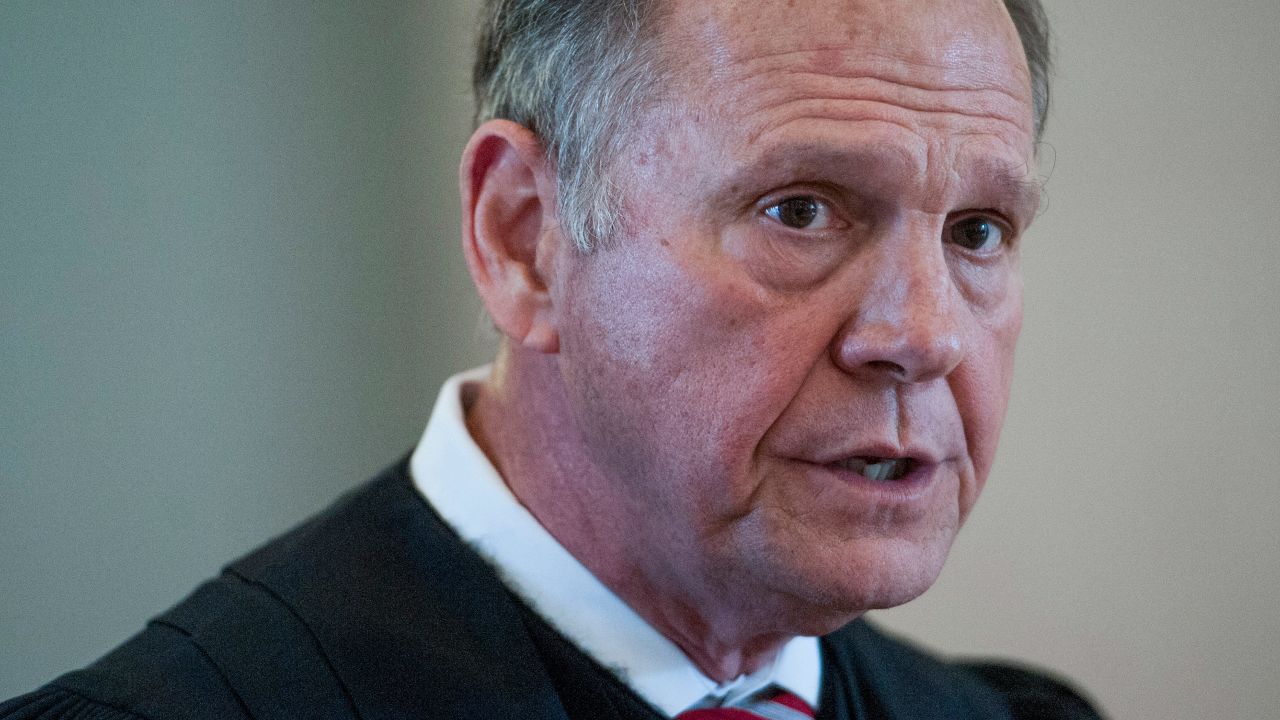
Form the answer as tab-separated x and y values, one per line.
877	468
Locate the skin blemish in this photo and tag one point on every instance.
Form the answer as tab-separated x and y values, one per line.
827	60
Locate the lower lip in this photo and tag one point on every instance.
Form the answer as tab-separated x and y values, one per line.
910	487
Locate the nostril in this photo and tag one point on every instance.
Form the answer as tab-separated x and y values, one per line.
887	366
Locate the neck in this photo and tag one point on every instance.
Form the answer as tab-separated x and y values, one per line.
522	422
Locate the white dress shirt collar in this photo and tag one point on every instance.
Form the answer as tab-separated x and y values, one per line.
456	477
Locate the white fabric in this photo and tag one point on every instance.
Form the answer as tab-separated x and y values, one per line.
456	477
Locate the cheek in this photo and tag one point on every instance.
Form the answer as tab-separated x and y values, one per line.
679	362
982	382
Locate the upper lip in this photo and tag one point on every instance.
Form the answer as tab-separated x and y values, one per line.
885	451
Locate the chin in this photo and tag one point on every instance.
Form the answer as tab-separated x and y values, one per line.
825	593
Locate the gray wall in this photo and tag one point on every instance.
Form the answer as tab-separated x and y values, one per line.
230	282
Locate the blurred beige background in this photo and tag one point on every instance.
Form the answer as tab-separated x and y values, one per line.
230	282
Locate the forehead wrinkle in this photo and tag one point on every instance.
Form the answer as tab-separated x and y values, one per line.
768	92
870	64
885	112
757	135
772	116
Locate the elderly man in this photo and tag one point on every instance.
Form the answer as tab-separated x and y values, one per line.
755	265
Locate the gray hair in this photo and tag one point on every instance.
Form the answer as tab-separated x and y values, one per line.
576	72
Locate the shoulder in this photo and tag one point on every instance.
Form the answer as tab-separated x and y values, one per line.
1033	692
53	703
900	679
373	603
159	673
234	648
229	650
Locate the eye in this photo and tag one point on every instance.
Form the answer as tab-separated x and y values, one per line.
978	233
801	213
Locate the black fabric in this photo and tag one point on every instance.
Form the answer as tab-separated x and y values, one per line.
375	609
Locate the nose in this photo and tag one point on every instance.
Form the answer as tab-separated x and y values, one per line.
906	325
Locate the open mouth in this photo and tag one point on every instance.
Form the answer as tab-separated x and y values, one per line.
878	468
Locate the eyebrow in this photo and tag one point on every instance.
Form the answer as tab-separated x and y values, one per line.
1014	182
860	168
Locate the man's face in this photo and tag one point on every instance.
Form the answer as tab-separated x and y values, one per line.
795	362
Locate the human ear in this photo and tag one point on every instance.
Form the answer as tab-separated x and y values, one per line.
510	232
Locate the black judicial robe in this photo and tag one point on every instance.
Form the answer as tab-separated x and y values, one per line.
375	609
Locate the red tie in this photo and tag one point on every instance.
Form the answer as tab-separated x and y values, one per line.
781	705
